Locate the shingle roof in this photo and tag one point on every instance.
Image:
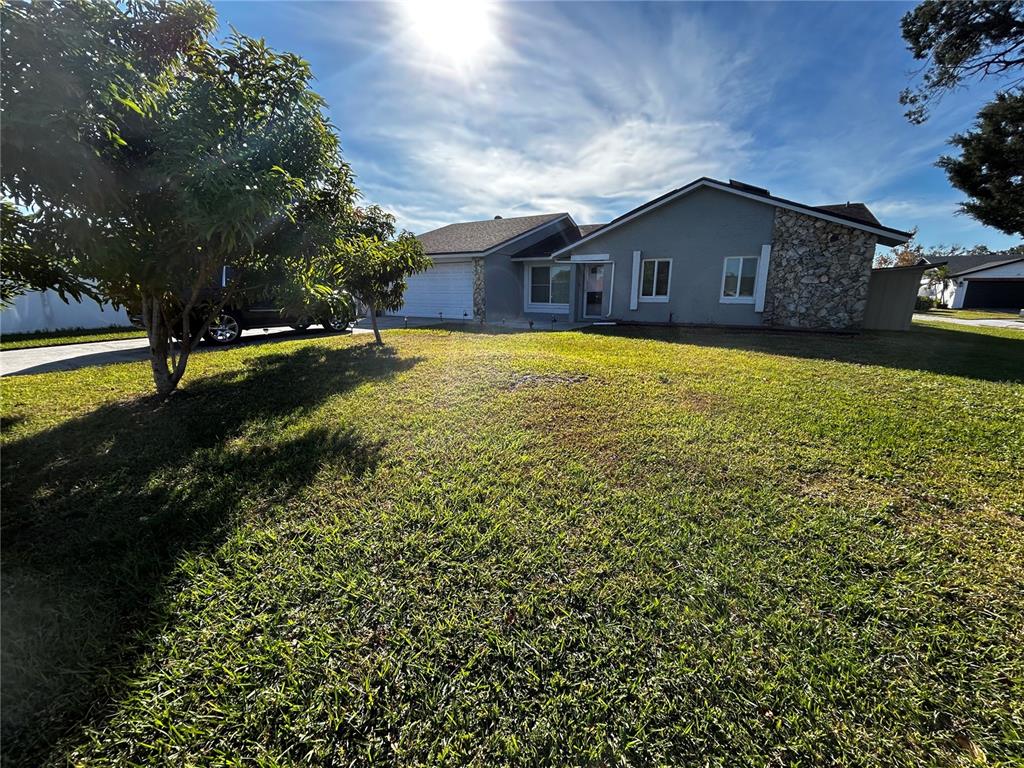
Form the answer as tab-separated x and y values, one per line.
979	267
475	236
961	262
857	211
586	229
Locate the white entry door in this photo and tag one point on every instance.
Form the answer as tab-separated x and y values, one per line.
445	290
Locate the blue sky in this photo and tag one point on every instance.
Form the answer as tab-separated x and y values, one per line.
451	114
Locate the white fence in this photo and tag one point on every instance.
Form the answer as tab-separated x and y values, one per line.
45	311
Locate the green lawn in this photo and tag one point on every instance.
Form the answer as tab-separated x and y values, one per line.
975	314
695	547
70	336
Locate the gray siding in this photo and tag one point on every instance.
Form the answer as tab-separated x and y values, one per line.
697	231
503	288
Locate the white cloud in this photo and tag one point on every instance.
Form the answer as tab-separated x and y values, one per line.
595	108
914	209
593	121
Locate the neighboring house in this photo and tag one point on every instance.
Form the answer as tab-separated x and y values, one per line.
979	281
707	253
46	311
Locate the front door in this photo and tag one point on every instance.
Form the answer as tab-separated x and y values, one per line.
595	293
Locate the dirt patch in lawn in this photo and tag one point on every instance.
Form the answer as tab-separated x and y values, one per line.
521	380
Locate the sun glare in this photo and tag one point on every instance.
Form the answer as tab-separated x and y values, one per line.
458	32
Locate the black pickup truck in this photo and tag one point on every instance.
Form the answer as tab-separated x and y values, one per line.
244	313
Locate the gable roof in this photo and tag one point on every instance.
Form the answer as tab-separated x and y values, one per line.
586	229
988	265
477	236
857	211
852	217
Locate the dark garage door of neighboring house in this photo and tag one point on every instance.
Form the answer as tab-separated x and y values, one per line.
994	294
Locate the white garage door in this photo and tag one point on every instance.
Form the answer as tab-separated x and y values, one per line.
446	288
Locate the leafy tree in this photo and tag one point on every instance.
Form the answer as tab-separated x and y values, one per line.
990	168
959	41
217	180
180	158
307	240
975	39
373	263
72	72
27	264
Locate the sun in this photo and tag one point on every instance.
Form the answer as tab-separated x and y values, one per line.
458	32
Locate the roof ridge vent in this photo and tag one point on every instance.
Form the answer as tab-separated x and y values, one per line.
497	217
748	187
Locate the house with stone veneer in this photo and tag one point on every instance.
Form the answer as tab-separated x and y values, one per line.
710	252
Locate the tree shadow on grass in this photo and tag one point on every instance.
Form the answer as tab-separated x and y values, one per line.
950	352
97	511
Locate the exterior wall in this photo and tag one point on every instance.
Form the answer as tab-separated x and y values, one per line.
503	287
819	273
45	311
891	296
697	231
958	294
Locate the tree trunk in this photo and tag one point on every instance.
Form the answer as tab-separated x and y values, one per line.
166	363
373	322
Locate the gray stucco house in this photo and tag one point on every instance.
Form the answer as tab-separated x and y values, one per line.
710	252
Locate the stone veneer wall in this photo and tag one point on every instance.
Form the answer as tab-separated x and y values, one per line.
479	301
818	274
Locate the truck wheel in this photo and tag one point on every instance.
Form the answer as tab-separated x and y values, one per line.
225	329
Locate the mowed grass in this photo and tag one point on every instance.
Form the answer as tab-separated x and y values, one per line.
71	336
975	314
676	547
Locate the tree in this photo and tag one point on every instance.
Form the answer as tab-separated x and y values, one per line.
959	41
990	169
939	279
975	39
175	158
904	255
72	72
27	263
239	142
373	263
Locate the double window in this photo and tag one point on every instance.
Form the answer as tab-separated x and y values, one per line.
654	279
738	279
549	286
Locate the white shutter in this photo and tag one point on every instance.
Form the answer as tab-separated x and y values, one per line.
762	277
634	292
